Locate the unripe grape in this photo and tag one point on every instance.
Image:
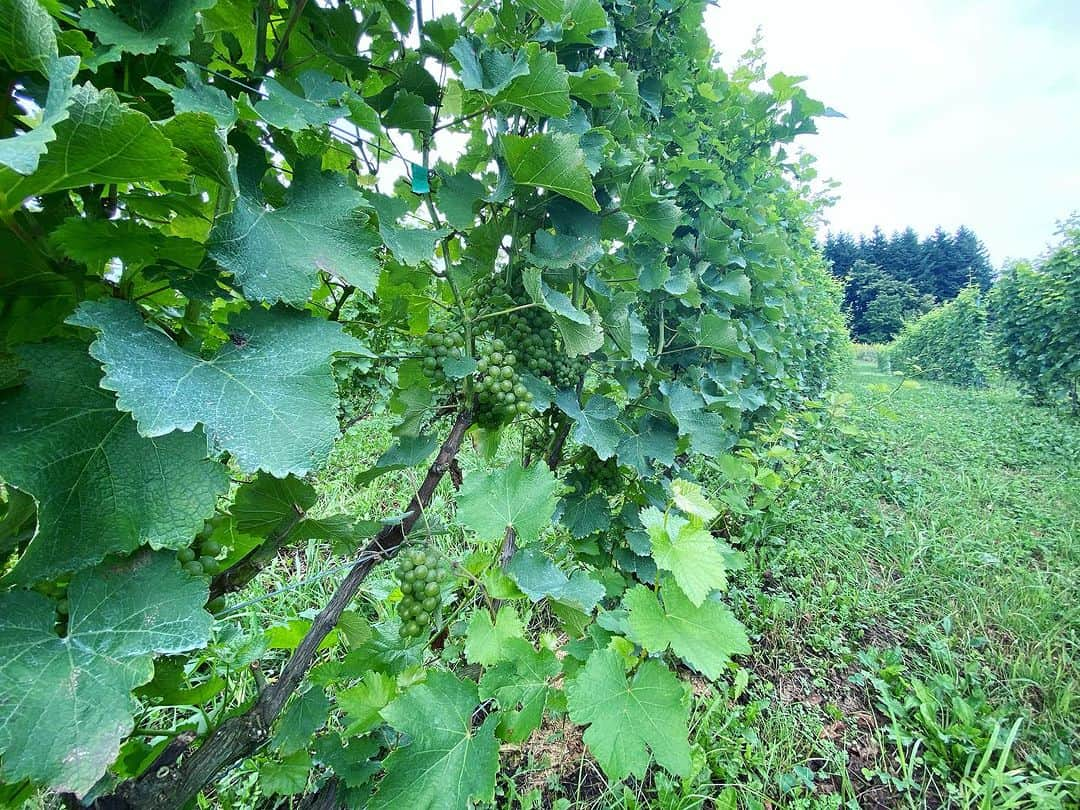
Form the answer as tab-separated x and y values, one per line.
210	548
209	565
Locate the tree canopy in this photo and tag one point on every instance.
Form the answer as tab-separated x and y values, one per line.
913	274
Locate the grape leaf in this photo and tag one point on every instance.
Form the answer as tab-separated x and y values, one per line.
18	520
353	763
545	89
363	702
705	637
579	339
289	634
287	777
93	242
408	452
171	687
720	334
248	396
100	486
551	161
441	32
521	685
304	715
197	135
27	35
22	152
101	141
627	720
320	103
198	96
408	112
276	255
538	578
585	18
707	431
655	216
552	11
413	404
585	515
146	25
543	392
553	301
484	640
689	552
595	425
459	196
736	287
592	84
580	330
653	440
65	703
690	498
35	297
410	246
512	496
260	506
558	250
490	70
344	532
448	764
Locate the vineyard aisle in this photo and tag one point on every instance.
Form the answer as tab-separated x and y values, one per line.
920	588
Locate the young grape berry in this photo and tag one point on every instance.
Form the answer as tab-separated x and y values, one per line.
203	562
437	347
420	571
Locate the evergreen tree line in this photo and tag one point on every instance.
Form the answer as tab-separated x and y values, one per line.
888	280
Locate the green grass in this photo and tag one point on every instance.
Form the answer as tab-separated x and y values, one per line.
919	589
911	598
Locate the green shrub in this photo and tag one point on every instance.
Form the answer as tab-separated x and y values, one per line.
1035	322
948	343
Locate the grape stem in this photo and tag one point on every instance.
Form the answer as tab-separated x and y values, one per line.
505	311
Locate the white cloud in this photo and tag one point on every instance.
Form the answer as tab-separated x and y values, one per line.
957	112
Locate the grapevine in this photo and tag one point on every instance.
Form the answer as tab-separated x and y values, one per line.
594	268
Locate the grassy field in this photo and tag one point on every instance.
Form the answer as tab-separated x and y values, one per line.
917	600
913	597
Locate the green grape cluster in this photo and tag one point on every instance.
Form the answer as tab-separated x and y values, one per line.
203	561
420	571
500	394
599	474
536	443
531	335
567	371
439	345
484	292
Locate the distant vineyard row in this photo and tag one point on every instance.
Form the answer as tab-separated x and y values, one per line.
1026	326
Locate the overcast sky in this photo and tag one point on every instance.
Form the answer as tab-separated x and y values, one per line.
958	112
